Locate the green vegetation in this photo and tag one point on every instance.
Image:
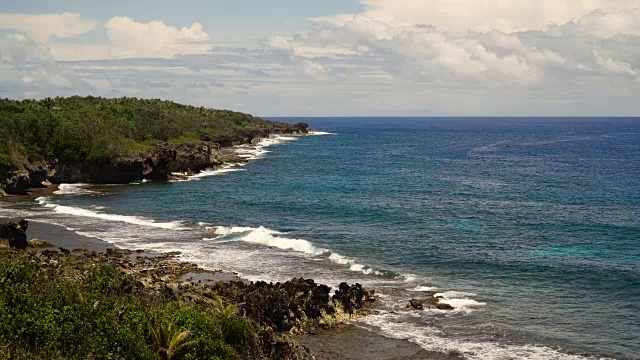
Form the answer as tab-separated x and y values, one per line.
97	312
96	130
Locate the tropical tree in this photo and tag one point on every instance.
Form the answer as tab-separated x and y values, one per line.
225	311
169	342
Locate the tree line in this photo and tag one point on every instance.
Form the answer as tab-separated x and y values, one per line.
96	129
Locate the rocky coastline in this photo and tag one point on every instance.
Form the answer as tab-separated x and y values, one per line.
281	310
160	163
298	319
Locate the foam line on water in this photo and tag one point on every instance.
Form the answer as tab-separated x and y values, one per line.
421	288
214	172
319	133
459	300
272	238
431	339
74	189
136	220
257	151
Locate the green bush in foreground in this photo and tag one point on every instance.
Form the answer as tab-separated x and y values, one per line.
108	315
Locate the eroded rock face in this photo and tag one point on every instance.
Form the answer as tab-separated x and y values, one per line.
20	180
17	182
288	305
156	164
353	297
15	233
120	172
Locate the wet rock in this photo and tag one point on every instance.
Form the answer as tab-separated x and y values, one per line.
353	297
427	303
415	304
443	306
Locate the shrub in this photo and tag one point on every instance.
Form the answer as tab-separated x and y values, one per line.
50	312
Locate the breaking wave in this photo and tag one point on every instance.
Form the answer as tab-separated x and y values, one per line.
136	220
272	238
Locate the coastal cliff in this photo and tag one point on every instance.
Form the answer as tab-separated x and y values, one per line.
117	141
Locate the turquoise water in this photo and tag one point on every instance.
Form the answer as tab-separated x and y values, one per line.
531	227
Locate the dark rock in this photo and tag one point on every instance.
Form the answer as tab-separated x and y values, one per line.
17	182
443	306
416	304
15	233
428	303
292	304
353	297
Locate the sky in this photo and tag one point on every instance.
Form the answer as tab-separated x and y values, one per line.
332	57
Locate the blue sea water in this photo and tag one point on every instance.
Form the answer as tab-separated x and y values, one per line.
530	227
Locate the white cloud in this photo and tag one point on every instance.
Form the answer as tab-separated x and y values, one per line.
463	57
483	15
613	65
422	54
606	24
45	26
131	39
127	37
29	70
401	38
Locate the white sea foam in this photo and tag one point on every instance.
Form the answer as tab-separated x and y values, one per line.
256	151
74	189
247	151
409	278
214	172
272	238
264	236
422	289
319	133
459	300
229	168
432	339
136	220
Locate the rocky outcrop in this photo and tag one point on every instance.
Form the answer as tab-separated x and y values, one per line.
295	304
22	178
298	304
156	164
15	234
117	172
428	303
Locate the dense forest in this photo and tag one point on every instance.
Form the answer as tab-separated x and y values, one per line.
95	129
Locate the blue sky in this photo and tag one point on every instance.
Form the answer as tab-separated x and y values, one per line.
248	19
334	57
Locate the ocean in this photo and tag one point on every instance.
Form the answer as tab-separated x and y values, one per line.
530	227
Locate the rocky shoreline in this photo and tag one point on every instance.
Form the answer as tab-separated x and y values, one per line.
160	163
299	319
280	309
